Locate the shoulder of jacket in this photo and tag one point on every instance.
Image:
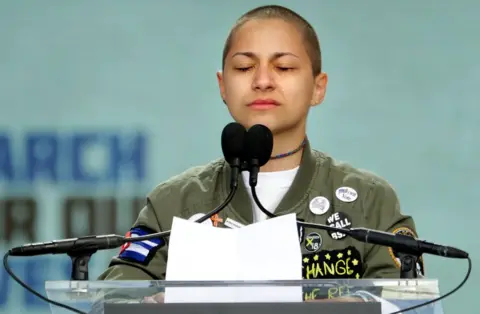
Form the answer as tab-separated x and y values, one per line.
347	174
197	177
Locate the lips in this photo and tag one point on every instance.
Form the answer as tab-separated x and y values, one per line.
263	104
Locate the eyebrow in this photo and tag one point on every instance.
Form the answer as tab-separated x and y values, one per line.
276	55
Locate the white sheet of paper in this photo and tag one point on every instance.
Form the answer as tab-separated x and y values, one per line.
268	250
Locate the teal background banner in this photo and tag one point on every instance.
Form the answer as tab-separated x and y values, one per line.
102	100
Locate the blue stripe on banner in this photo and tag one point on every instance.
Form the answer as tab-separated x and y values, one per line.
133	255
158	241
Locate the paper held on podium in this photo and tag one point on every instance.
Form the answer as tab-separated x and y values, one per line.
268	250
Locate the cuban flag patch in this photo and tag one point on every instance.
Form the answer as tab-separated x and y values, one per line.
143	251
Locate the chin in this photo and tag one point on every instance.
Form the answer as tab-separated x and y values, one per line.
272	125
270	121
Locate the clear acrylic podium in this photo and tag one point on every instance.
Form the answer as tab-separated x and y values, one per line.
252	297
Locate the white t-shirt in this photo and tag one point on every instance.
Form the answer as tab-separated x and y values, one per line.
271	187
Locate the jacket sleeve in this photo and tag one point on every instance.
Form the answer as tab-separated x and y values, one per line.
145	260
383	213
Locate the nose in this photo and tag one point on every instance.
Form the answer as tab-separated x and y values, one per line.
263	79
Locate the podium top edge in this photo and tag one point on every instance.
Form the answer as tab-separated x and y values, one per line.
169	283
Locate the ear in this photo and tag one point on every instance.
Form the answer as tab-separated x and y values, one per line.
319	89
221	85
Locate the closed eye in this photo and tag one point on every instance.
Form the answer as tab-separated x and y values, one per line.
243	69
285	69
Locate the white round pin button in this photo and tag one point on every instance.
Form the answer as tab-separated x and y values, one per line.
200	215
346	194
319	205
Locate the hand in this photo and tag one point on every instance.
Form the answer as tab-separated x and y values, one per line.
156	298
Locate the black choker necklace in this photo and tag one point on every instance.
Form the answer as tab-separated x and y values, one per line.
290	152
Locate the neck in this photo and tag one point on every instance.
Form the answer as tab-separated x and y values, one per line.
284	144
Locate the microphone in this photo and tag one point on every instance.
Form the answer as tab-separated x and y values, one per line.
232	140
258	149
70	246
398	242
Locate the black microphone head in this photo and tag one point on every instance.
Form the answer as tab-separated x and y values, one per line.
259	144
233	142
